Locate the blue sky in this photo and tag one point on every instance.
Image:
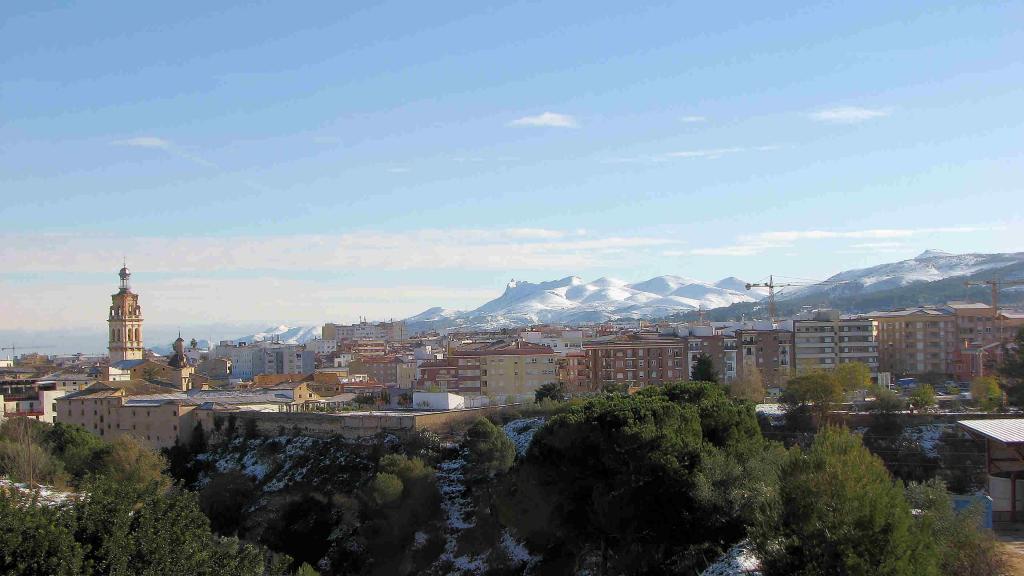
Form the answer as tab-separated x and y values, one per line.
300	163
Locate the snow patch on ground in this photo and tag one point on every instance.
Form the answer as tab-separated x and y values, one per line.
48	495
521	432
738	560
517	553
458	513
928	436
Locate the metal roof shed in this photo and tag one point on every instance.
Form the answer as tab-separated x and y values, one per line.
1004	457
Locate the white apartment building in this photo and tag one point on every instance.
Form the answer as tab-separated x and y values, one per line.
561	341
322	347
248	360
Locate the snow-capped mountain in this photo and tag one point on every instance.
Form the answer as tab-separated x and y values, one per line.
284	334
928	266
571	300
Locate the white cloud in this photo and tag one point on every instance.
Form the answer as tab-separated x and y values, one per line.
156	143
548	119
692	119
706	153
144	142
398	170
430	249
700	153
849	114
753	244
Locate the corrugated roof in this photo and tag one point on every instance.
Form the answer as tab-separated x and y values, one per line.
1005	430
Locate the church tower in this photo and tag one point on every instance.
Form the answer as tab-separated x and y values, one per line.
125	341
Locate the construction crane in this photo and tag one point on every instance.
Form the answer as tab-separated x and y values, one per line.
14	349
771	286
995	285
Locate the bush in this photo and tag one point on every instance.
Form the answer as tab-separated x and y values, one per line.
964	547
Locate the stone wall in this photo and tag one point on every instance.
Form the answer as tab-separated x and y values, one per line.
360	425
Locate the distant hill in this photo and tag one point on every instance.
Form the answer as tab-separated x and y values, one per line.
853	299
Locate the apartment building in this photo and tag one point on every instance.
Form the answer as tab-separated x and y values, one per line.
637	360
498	369
827	339
248	360
382	369
770	352
917	340
937	339
390	331
574	373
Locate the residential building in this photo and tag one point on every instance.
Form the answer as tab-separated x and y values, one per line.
497	369
561	340
828	339
383	369
505	368
37	404
768	351
638	360
574	373
389	331
954	339
248	360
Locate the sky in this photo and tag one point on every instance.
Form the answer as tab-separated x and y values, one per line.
260	164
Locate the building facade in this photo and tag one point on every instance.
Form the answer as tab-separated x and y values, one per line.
827	340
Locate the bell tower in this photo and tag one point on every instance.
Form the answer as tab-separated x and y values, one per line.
125	321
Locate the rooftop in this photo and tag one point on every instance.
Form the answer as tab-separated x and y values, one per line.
1004	431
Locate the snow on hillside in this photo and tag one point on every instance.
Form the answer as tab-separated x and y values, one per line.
928	266
571	300
284	334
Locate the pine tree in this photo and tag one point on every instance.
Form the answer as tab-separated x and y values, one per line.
704	369
840	512
1012	370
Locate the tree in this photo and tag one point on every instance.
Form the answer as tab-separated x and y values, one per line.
839	512
986	392
550	391
1012	370
81	451
922	398
224	499
750	386
657	482
35	539
491	452
131	462
817	391
853	376
704	369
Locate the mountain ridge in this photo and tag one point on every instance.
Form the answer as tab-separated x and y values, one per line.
569	300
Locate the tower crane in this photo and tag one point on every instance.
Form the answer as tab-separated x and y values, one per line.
995	285
14	348
771	286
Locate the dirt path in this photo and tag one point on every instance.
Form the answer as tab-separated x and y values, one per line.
1013	545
